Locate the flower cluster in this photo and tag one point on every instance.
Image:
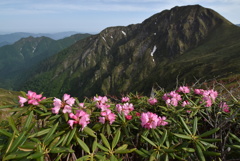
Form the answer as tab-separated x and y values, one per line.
126	108
32	98
209	96
151	120
152	101
125	99
106	113
172	98
81	117
66	104
225	107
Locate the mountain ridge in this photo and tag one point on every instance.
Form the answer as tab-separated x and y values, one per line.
18	60
7	39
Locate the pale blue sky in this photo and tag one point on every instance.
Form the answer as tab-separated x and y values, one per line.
92	16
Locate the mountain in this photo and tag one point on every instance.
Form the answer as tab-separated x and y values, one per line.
184	43
19	59
238	24
13	37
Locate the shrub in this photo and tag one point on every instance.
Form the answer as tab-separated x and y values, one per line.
185	124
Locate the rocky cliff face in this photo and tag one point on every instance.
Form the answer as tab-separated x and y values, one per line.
123	59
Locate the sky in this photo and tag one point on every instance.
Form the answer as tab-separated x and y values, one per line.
92	16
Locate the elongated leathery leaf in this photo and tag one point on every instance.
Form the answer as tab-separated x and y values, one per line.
208	132
149	141
105	141
52	131
116	138
185	126
195	123
82	144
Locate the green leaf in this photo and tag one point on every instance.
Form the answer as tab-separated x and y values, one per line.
191	150
208	133
94	146
18	141
4	132
185	126
149	141
17	155
234	137
102	147
113	158
125	151
123	147
53	129
35	155
183	136
153	156
54	143
105	141
141	153
195	123
116	138
89	131
13	126
40	133
163	138
72	133
84	158
211	153
82	144
109	132
200	153
28	121
210	140
6	106
65	137
61	150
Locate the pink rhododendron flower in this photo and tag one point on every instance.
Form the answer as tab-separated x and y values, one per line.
149	120
184	89
107	115
100	99
65	104
152	101
138	114
225	107
82	118
185	103
126	108
172	98
128	117
22	100
162	121
198	91
209	97
125	99
81	105
101	102
32	98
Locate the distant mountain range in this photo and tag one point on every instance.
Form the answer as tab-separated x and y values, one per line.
19	59
183	45
6	39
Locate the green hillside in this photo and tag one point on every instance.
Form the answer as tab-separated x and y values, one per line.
19	59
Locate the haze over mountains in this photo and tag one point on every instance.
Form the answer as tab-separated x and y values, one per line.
6	39
188	43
